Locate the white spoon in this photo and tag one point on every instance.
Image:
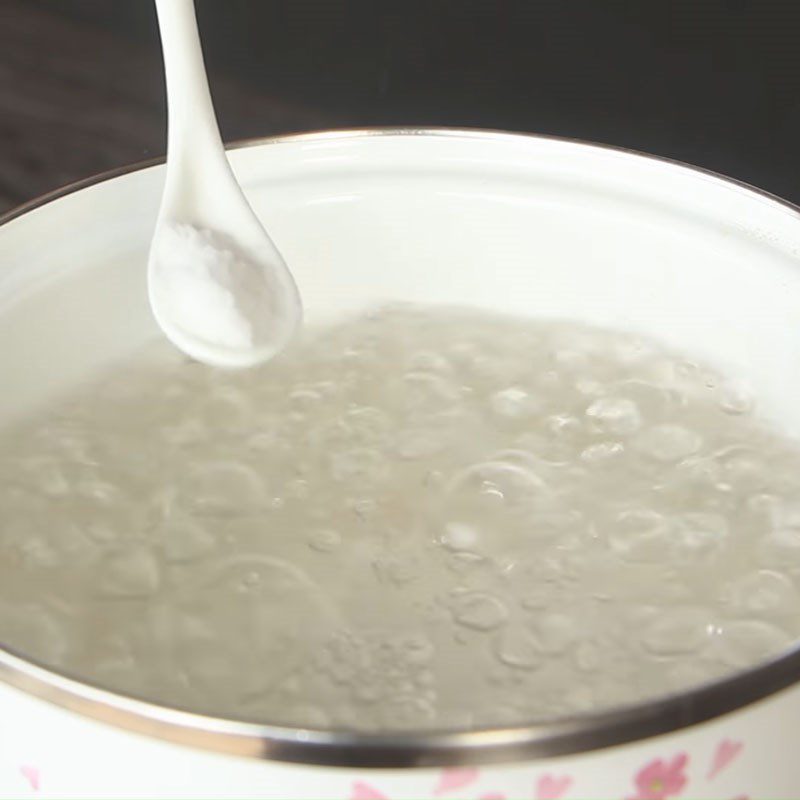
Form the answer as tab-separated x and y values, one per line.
218	286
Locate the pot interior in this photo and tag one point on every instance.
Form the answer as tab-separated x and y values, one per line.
526	226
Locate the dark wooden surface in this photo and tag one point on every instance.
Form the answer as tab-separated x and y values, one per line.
76	100
711	82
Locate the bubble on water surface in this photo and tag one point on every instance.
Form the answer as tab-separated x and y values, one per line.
221	488
398	569
414	649
298	489
479	611
100	492
517	646
589	388
228	409
602	451
743	643
429	361
699	534
555	632
185	432
458	536
227	636
780	548
564	525
514	403
668	442
358	464
304	400
564	427
509	483
736	397
641	535
130	571
48	475
324	540
615	415
571	360
784	513
677	631
764	505
419	443
498	500
632	351
428	393
31	626
764	593
366	424
655	401
742	468
185	540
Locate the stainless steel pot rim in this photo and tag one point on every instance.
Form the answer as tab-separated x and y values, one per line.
413	749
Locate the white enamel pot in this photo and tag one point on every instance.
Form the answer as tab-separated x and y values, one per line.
528	225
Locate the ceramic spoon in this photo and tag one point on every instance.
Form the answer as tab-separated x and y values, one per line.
219	288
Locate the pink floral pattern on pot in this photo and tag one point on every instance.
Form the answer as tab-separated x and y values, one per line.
660	778
727	751
457	778
552	787
31	775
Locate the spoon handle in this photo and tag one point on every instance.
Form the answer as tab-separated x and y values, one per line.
193	136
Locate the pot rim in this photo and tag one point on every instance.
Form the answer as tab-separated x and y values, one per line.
578	734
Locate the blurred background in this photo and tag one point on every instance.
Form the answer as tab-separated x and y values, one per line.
711	82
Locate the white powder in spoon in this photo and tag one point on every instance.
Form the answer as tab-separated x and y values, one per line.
208	288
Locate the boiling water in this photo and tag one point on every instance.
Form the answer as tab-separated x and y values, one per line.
415	519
